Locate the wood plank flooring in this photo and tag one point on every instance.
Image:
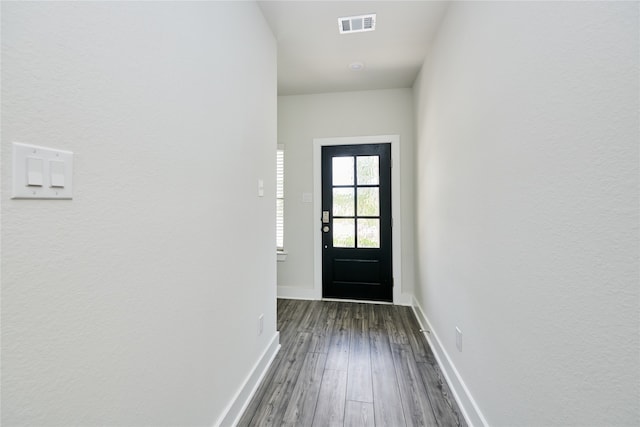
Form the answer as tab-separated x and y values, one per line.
351	364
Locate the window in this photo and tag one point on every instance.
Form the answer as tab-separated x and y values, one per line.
356	201
280	197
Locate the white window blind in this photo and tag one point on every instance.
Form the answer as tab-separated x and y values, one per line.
280	197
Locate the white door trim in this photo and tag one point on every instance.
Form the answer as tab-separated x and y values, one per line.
396	244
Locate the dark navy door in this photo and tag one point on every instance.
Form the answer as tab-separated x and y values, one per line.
356	222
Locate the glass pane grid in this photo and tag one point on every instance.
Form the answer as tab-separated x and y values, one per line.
356	202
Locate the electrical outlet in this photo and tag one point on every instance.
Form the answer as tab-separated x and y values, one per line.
260	324
458	339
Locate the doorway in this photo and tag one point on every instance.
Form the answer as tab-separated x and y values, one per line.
356	222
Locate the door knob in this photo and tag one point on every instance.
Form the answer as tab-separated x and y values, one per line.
325	228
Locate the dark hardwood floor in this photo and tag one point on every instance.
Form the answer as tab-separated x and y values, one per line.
351	364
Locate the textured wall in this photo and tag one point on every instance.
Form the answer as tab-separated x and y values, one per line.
132	304
528	196
302	118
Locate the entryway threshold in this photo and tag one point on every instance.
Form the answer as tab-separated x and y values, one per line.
356	301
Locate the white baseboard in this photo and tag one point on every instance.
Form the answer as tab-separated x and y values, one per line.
235	409
468	406
290	292
404	299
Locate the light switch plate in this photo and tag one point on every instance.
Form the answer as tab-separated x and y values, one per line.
56	180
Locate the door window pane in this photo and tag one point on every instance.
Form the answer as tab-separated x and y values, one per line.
343	233
368	170
368	233
342	169
343	202
368	201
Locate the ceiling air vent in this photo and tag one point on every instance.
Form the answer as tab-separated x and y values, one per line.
357	24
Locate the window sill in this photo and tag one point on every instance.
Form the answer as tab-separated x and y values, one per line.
282	255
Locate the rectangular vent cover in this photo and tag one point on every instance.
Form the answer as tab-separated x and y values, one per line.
357	24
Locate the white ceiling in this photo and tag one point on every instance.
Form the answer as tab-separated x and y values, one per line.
313	57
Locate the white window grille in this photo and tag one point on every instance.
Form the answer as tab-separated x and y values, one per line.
280	197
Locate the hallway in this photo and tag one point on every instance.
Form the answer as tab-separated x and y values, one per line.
186	258
351	364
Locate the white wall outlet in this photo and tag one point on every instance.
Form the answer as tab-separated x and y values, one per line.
260	324
458	339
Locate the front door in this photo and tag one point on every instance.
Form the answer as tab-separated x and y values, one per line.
356	222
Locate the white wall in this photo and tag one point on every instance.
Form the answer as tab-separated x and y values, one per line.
132	304
301	118
527	208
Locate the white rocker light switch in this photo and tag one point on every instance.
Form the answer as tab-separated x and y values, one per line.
34	172
57	173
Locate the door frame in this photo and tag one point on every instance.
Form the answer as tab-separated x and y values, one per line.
396	213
